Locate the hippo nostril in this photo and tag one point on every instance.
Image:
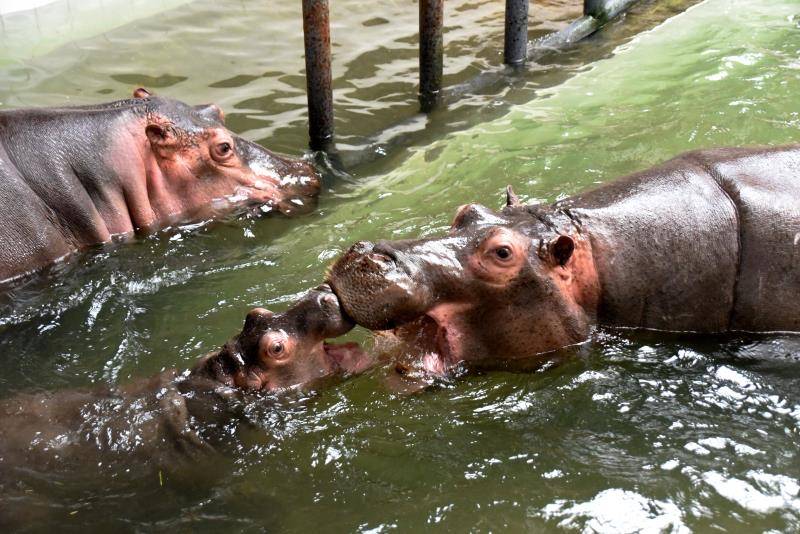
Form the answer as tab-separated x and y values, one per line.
253	381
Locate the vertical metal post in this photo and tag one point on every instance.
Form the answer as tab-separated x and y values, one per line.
516	41
431	52
317	34
593	8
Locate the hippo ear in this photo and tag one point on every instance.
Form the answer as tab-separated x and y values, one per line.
512	200
254	316
469	214
211	112
159	135
141	92
561	249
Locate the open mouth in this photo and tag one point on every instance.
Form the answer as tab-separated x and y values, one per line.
347	358
430	343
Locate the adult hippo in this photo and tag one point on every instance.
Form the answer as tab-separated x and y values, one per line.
173	417
77	176
706	242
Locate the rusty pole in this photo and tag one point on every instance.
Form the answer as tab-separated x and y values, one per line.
516	40
317	34
431	52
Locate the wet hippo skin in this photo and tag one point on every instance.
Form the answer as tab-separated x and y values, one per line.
706	242
76	176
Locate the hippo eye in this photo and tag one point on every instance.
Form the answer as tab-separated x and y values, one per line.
277	349
503	253
222	151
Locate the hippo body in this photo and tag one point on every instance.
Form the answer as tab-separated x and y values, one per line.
706	242
77	176
709	242
148	420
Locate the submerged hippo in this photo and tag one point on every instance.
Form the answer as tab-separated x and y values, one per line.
77	176
706	242
169	417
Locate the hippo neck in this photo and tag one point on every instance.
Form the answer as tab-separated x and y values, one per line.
131	158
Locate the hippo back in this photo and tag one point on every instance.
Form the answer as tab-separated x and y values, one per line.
664	242
765	186
708	241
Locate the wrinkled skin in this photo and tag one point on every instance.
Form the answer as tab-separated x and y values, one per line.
77	176
169	418
706	242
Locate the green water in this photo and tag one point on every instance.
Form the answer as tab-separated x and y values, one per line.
636	431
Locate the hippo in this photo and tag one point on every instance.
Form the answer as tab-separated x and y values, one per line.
73	177
708	242
172	418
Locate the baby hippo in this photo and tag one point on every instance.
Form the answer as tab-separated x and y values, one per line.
171	416
277	351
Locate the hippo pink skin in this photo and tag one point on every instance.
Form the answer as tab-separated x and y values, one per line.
74	177
278	351
706	242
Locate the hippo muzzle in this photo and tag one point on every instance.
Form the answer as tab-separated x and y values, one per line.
298	180
381	286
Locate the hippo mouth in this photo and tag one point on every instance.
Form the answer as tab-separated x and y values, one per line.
432	343
345	358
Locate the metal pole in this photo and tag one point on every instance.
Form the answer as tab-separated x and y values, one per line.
431	52
593	8
317	34
516	41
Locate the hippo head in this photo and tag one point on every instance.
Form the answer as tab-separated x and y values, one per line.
277	351
195	166
498	286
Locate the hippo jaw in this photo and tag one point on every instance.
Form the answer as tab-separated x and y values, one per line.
436	339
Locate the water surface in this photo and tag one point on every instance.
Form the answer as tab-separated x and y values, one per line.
635	430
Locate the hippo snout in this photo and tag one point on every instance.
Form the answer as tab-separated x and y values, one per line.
300	183
326	315
374	287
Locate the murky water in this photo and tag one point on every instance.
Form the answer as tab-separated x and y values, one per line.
635	430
